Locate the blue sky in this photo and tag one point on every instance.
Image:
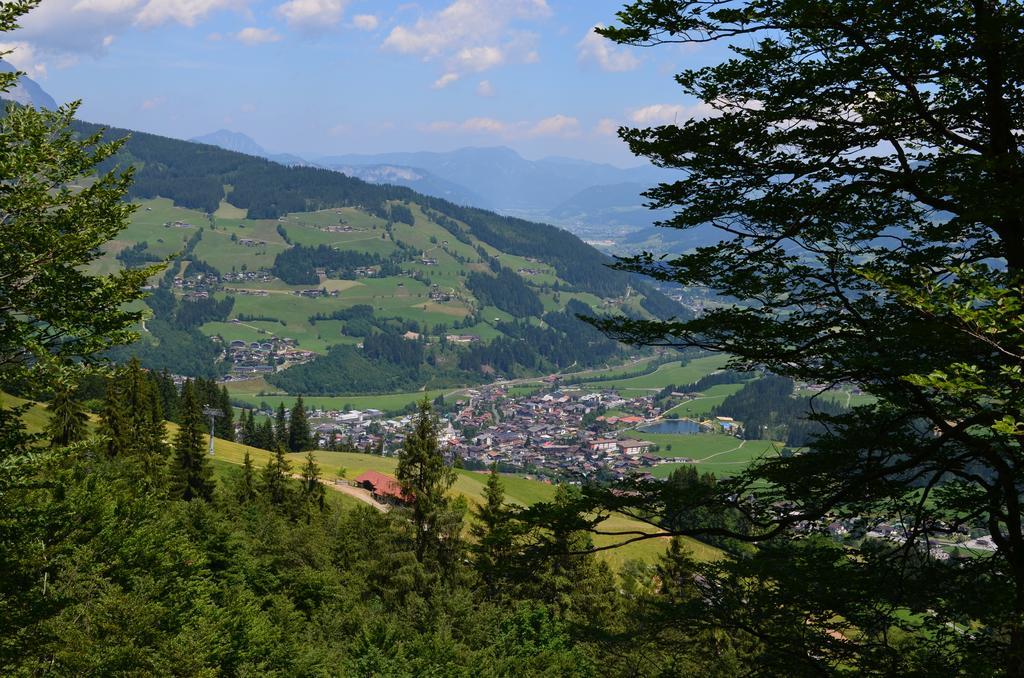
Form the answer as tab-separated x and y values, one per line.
357	76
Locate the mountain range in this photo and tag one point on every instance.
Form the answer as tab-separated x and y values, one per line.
594	200
27	91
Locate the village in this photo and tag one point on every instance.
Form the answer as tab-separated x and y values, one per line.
560	434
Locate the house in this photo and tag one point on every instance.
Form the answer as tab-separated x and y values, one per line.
602	445
634	447
383	487
462	338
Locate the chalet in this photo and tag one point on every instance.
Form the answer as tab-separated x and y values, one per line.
383	487
462	338
634	448
602	445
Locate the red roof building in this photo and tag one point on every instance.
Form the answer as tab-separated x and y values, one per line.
383	487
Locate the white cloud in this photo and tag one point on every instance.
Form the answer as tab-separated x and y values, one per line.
105	6
23	57
557	125
61	30
340	129
607	127
669	114
479	58
365	22
312	14
185	12
597	49
489	125
445	80
484	88
150	104
472	35
257	36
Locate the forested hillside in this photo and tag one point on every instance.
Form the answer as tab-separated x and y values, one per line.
280	255
194	176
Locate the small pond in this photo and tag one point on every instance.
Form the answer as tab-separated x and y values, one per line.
673	426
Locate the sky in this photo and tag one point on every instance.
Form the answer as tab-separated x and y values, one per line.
320	77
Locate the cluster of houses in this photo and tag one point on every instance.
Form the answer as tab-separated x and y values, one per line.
555	434
247	276
265	357
315	292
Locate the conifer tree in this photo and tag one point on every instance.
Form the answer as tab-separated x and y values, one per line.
299	436
68	421
249	428
114	423
191	473
425	479
265	434
281	426
245	489
493	534
275	478
226	422
313	490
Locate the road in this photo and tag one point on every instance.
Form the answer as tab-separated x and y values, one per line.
358	493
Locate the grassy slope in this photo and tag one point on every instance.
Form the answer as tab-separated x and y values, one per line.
228	455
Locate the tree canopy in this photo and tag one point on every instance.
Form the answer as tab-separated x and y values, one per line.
862	163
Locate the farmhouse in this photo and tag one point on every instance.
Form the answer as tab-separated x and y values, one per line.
383	487
634	447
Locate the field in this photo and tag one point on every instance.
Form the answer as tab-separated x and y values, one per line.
669	373
702	406
470	484
720	454
390	402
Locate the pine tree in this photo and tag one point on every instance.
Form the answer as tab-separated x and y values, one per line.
226	422
191	473
281	426
299	436
313	490
275	478
245	488
265	435
492	532
248	428
68	421
425	479
114	423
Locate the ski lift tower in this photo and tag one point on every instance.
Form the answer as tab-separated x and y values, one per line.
212	413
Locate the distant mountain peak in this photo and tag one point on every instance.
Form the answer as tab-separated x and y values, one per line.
232	141
27	91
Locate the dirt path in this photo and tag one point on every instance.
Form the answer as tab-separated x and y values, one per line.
357	493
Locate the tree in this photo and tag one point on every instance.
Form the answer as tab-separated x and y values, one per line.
249	428
245	489
275	479
114	425
299	436
313	491
493	534
424	479
54	309
68	421
281	426
225	423
861	162
191	474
